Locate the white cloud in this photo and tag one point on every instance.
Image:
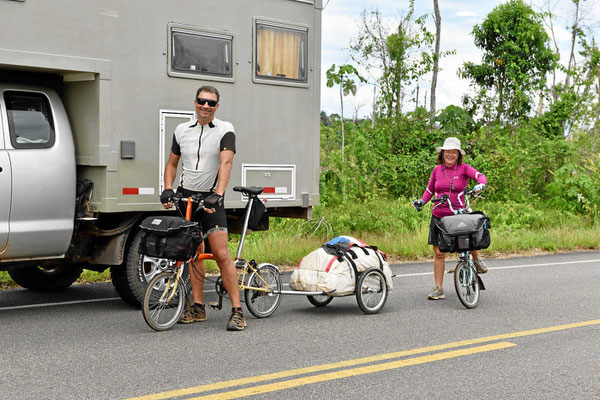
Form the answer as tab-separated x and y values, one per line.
465	14
340	26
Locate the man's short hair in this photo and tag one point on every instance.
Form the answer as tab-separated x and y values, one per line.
210	89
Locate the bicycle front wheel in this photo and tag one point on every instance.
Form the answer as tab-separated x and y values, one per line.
371	291
164	301
466	285
263	291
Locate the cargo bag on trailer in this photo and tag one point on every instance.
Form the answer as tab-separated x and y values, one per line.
335	267
170	237
464	232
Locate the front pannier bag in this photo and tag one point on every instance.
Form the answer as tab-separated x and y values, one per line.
170	237
464	232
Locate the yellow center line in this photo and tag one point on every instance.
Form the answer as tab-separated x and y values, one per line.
358	361
235	394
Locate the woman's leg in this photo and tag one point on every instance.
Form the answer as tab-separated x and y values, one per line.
439	266
478	262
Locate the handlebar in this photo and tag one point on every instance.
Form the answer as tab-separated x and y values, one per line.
445	199
196	198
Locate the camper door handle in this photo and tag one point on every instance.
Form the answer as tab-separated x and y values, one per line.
0	169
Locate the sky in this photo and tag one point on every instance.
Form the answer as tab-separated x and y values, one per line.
340	20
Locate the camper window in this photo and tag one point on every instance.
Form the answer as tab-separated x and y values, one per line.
281	53
200	53
29	120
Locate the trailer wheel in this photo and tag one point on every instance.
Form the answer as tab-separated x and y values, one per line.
46	276
131	278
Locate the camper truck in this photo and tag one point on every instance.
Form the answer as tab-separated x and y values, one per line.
90	94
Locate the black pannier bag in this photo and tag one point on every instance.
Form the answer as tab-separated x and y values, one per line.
464	232
259	219
170	237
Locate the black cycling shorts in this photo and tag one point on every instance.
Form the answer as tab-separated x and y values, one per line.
209	222
433	231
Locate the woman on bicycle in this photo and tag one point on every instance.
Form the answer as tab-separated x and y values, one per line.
450	177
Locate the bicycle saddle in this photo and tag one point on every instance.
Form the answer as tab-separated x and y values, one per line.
253	190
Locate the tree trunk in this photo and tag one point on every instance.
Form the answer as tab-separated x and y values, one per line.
417	98
342	116
343	137
374	106
436	58
573	40
500	110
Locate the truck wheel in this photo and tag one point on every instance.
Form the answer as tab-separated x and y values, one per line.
46	276
131	278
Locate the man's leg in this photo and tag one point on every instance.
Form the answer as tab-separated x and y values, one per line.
196	312
218	246
197	277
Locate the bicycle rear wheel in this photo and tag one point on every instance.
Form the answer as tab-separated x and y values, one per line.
263	293
466	285
371	291
164	301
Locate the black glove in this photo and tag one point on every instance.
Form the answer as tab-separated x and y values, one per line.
213	201
166	195
418	204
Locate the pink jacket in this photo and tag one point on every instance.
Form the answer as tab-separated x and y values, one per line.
452	181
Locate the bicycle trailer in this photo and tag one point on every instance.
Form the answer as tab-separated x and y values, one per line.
336	266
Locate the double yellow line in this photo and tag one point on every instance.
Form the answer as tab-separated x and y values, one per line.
344	373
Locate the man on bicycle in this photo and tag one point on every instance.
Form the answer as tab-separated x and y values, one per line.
206	148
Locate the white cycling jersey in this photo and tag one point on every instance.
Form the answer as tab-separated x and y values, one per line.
199	147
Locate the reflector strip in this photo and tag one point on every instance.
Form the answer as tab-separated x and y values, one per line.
278	189
143	191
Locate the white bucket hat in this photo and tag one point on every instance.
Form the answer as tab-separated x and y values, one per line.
451	143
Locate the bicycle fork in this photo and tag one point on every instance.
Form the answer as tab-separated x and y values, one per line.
465	257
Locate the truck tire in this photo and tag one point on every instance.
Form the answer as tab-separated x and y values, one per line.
131	278
49	276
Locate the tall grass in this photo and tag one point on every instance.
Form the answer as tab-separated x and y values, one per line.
399	231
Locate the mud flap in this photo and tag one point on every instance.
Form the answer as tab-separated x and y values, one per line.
481	285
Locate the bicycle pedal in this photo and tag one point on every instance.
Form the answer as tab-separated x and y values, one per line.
215	306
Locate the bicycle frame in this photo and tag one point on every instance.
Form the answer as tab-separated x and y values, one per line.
464	256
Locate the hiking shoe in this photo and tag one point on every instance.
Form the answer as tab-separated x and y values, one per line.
480	266
192	314
237	321
437	293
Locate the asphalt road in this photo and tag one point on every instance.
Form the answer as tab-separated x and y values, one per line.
534	335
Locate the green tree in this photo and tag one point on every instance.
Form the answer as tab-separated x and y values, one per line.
344	77
398	57
516	59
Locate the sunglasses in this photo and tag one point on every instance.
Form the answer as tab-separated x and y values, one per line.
211	103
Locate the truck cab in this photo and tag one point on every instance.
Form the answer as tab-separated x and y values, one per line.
37	177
